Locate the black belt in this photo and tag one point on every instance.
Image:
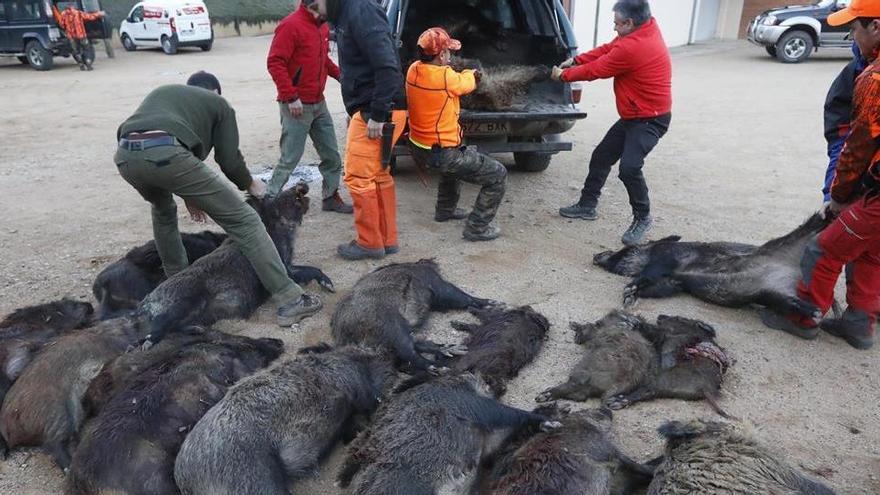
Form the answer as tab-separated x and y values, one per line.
133	142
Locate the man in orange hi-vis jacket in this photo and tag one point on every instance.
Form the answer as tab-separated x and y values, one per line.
433	90
72	21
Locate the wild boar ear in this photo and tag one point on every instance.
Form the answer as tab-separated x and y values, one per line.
582	331
301	189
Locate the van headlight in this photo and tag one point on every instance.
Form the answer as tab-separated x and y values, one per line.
770	20
54	34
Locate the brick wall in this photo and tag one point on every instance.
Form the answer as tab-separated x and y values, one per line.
752	8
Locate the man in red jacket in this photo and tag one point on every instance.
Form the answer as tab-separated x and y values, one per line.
299	63
638	60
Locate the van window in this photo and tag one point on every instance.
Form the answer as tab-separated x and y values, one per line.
25	10
137	15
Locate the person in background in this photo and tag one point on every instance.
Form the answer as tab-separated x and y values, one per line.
299	63
72	22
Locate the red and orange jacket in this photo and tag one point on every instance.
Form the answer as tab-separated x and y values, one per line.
433	93
861	151
642	71
301	43
73	21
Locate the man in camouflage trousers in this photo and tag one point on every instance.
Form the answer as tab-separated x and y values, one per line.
433	90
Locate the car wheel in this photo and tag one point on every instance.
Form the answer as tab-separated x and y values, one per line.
127	43
771	50
530	161
38	57
794	47
169	45
207	46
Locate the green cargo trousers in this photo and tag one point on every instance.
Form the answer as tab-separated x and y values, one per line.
316	123
159	172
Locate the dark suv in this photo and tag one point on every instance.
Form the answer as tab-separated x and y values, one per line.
503	32
29	32
792	33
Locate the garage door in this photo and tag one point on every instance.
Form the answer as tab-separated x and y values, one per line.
707	19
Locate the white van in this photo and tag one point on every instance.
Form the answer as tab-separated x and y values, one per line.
168	24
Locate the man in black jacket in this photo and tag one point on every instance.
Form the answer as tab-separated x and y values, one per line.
838	113
373	94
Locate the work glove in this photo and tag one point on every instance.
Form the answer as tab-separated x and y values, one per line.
374	129
296	108
556	74
257	188
568	63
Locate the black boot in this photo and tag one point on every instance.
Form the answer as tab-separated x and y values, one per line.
856	327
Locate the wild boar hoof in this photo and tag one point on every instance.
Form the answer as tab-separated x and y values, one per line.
550	425
617	402
545	396
630	295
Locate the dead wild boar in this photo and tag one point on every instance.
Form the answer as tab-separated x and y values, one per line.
711	458
24	332
385	306
720	273
501	87
275	427
223	285
429	437
124	283
129	448
628	360
501	344
117	372
44	406
578	458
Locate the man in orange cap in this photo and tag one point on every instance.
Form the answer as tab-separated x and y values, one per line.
853	238
433	90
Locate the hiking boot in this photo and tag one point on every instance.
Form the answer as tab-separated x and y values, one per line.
445	216
335	203
854	326
353	251
488	234
392	250
578	211
802	328
292	313
637	231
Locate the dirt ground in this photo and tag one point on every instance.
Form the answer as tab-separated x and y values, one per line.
743	161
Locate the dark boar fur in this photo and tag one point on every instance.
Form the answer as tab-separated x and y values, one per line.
223	285
716	458
501	87
429	438
503	342
44	406
275	427
130	446
629	360
578	458
24	332
117	372
126	282
386	305
721	273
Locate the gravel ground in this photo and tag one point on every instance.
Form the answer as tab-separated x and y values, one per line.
742	161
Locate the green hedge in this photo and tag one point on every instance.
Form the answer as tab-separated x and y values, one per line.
222	11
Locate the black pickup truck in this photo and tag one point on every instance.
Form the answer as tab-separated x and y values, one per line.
503	32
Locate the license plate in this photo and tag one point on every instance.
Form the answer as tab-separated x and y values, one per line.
484	128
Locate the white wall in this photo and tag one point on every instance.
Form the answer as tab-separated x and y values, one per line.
674	17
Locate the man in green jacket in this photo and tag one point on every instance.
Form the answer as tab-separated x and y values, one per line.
161	148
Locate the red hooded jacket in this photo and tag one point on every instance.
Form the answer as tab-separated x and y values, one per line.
639	63
301	42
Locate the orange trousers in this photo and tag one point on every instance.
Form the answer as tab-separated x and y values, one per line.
371	186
